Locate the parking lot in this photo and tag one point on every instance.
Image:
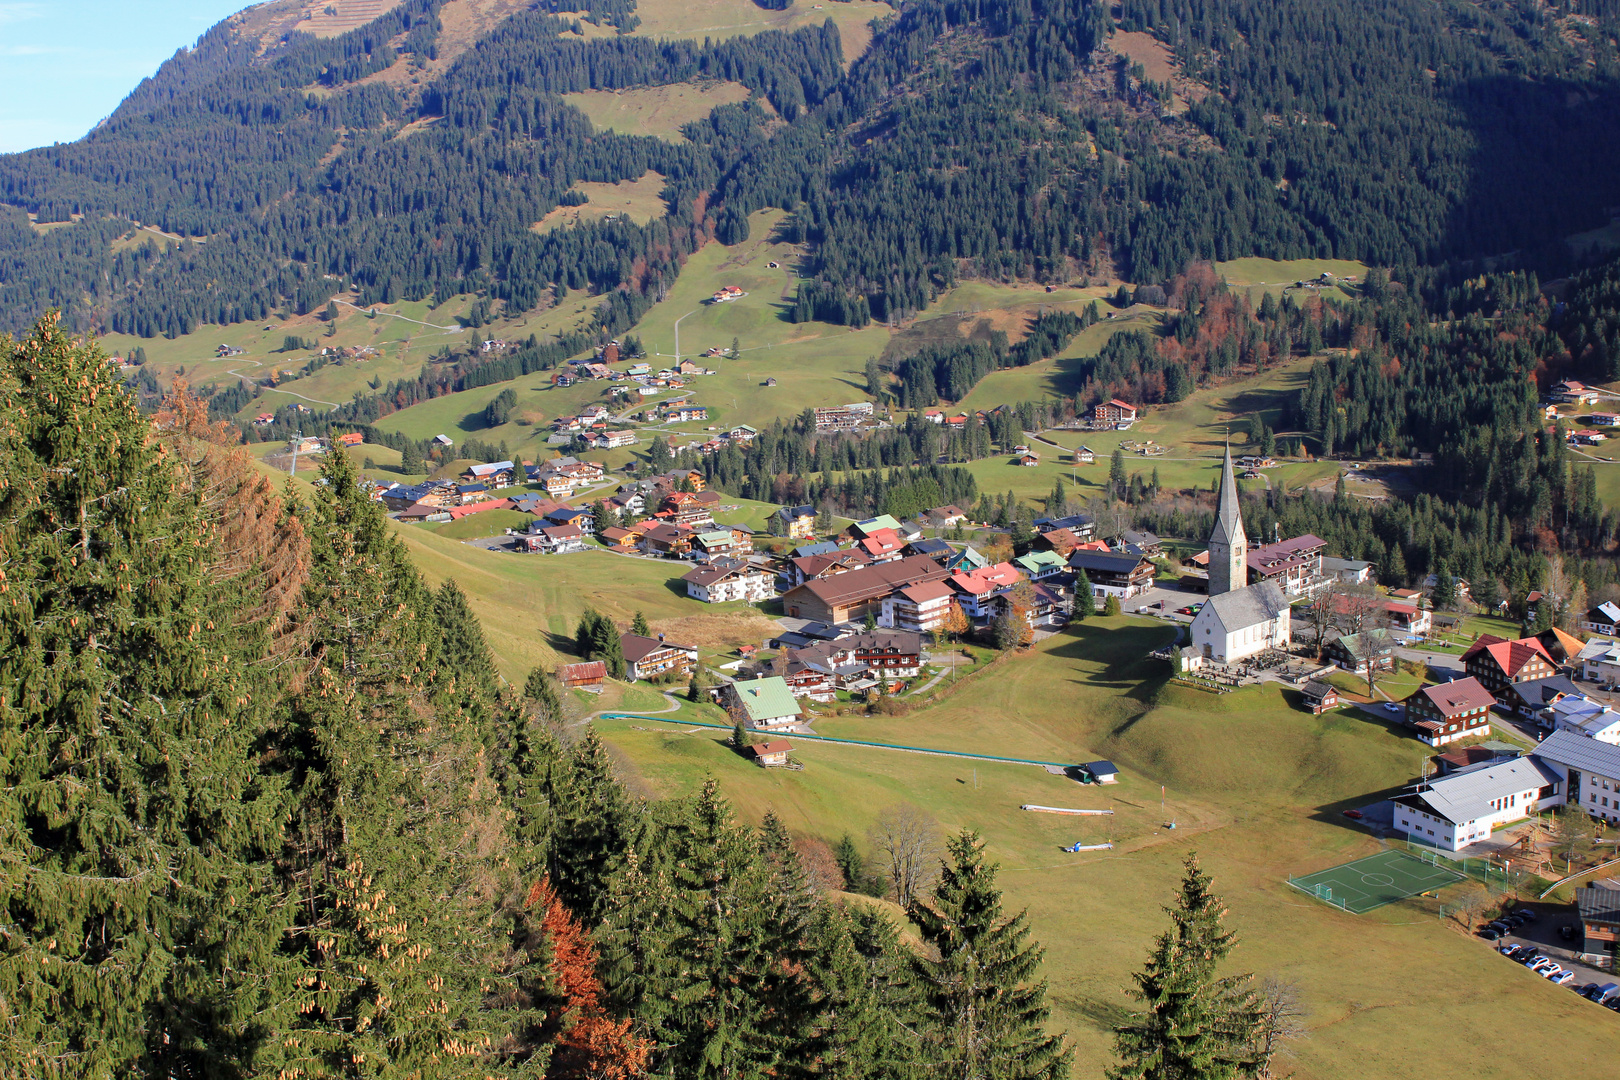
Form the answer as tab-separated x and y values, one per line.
1542	934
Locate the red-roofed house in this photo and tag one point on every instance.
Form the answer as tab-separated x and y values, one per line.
1498	664
1451	711
1402	618
920	607
884	545
459	512
978	590
771	754
1121	414
1295	566
351	438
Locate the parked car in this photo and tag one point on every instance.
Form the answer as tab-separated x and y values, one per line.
1354	815
1548	971
1613	1003
1490	933
1588	991
1526	914
1539	963
1563	978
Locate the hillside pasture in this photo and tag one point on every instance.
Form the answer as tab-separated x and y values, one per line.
722	19
639	200
659	111
1254	786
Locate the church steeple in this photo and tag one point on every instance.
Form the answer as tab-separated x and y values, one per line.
1228	545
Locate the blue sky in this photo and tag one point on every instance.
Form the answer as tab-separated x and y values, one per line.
65	64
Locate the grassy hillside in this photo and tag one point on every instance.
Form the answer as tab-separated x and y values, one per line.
660	111
721	19
530	604
1254	786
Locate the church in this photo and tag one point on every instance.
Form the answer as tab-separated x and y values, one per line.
1238	620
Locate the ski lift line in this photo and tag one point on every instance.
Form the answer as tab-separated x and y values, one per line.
1062	810
853	742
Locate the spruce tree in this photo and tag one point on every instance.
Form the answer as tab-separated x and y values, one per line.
142	921
866	1007
592	825
638	625
985	1012
394	928
1196	1024
460	655
1085	602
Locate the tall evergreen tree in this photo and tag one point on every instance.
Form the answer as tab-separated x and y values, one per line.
1196	1024
460	655
985	1010
136	832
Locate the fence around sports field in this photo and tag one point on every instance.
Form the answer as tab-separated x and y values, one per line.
1365	884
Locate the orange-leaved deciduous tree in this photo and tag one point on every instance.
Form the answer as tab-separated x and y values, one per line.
589	1044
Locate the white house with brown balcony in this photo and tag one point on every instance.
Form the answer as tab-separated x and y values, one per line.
650	657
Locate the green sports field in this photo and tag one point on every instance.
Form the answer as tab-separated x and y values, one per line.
1360	886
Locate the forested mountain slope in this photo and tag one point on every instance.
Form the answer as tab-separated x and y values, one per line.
993	137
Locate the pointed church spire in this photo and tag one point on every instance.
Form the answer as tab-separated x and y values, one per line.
1228	518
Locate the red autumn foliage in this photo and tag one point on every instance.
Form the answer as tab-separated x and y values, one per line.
591	1044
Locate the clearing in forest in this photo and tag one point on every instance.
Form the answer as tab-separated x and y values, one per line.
660	111
639	200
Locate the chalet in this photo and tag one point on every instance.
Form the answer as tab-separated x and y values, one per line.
264	419
443	440
944	517
1347	571
1562	647
558	485
562	379
496	474
1370	650
1604	420
1233	626
686	413
798	522
639	371
806	677
623	541
1574	392
853	595
1028	459
471	493
585	675
556	539
967	558
722	543
1113	573
651	657
1294	566
1603	619
1320	696
403	498
725	580
1060	542
764	704
1450	711
725	293
979	592
842	418
866	528
1497	664
612	440
1040	565
810	567
921	608
885	654
1534	698
938	550
771	755
1451	812
1138	542
1082	526
351	438
667	539
884	545
1115	413
570	515
1085	456
934	416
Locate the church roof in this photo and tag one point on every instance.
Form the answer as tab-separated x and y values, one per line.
1246	607
1228	518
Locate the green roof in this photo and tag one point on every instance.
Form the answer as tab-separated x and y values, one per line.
766	699
882	521
715	536
1035	560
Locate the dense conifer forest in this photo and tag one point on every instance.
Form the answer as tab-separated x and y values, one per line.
977	137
